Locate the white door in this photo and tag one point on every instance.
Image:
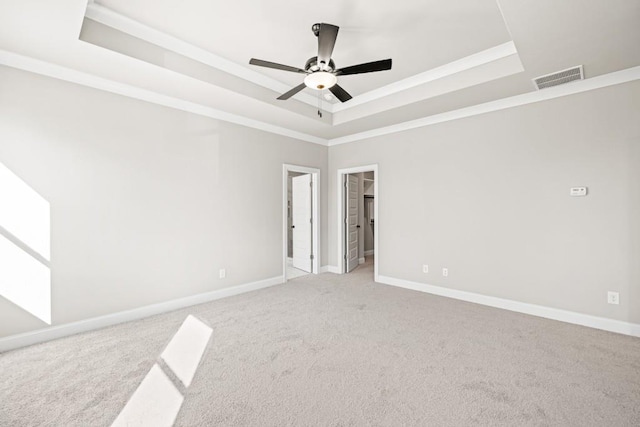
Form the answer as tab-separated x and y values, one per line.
301	221
352	226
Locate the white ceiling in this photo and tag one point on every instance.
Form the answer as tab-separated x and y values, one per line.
419	35
447	56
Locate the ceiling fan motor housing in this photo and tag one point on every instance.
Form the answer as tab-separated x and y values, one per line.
312	65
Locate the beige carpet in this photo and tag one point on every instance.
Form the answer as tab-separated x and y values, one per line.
335	351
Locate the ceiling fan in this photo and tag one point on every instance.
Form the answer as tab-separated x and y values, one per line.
321	70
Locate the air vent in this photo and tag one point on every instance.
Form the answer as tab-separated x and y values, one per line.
559	77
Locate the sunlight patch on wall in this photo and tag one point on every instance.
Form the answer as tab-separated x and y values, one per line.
24	213
25	278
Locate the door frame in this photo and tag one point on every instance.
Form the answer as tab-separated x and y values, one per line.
340	215
315	212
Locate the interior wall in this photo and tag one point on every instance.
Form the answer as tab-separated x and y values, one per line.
488	198
147	203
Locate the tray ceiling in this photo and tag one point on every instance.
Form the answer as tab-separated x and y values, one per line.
468	55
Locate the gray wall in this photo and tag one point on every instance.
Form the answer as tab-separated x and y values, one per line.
488	198
147	203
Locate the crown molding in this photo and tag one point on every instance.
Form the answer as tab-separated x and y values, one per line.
112	19
117	21
472	61
59	72
617	77
44	68
456	81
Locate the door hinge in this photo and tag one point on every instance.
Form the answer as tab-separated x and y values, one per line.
311	256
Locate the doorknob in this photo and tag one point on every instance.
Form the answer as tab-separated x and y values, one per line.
293	226
358	226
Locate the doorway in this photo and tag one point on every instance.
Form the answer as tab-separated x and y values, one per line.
357	203
300	221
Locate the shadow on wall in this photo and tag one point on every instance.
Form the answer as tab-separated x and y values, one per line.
25	275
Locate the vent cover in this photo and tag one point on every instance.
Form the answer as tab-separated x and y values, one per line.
559	77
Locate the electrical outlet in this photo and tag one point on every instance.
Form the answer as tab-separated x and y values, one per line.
445	272
223	273
425	268
613	297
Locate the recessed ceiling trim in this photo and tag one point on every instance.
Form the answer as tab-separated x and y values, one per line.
67	74
134	28
137	29
25	63
482	73
490	55
618	77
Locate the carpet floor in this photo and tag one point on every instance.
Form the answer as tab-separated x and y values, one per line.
338	350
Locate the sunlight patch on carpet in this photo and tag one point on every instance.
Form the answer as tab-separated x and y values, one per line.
184	351
157	400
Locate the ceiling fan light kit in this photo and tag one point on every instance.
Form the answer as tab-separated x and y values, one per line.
321	70
320	80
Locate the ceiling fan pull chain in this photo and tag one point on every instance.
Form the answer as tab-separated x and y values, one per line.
319	105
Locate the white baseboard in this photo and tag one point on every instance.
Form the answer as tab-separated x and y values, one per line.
361	260
370	252
59	331
331	269
611	325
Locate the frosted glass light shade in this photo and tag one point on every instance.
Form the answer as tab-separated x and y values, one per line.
320	80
